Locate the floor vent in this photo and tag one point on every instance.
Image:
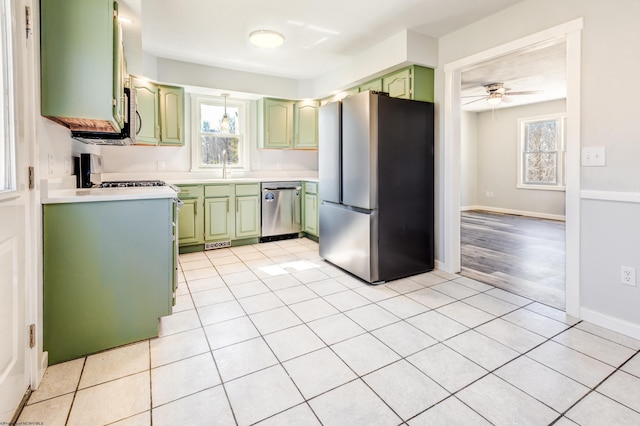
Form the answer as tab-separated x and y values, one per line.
217	245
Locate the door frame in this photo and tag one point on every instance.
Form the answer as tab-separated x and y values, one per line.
572	33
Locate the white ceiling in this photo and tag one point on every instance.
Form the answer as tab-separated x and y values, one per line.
319	35
540	68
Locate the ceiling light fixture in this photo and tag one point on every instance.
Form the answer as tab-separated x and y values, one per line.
266	39
495	99
225	126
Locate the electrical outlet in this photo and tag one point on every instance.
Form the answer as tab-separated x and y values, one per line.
162	165
628	275
489	194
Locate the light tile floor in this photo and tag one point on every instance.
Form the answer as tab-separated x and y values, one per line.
272	334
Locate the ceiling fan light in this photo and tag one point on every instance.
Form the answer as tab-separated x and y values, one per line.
494	100
266	39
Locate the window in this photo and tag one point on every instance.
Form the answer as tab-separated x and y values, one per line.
212	140
541	153
7	145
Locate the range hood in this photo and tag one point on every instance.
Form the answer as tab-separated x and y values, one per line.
127	136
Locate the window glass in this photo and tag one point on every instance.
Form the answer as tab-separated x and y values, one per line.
541	153
214	139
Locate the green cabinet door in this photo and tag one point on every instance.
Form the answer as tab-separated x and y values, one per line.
275	123
77	64
171	115
189	223
148	110
118	70
398	84
375	85
311	214
306	124
217	223
106	280
247	217
191	215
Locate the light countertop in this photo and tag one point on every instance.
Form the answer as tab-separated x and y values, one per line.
85	195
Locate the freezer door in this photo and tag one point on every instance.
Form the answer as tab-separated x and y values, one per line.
329	145
360	151
348	239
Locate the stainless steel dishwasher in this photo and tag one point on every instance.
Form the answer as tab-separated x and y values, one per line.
281	212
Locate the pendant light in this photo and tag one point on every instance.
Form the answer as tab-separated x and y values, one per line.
225	126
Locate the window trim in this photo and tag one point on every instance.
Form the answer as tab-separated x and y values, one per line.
8	190
245	146
562	152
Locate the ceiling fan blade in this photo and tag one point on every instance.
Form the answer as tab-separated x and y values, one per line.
482	98
524	92
474	96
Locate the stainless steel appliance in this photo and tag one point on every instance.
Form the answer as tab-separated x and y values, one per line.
376	186
281	215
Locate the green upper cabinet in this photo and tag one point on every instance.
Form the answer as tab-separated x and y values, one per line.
371	85
161	111
275	123
81	80
171	115
398	85
305	117
148	110
414	82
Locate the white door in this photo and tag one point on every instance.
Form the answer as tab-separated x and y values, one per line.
16	203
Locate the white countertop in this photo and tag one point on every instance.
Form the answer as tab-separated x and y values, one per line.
196	181
62	190
85	195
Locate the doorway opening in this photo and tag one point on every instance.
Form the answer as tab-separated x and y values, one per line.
570	33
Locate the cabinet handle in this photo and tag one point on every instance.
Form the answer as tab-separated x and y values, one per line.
227	206
236	205
195	209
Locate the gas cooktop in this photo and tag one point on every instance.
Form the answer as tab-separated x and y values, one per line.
131	183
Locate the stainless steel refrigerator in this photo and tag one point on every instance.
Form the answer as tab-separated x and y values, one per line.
376	186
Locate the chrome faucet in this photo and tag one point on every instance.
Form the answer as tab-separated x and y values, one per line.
224	164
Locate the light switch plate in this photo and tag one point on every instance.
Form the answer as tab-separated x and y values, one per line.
594	156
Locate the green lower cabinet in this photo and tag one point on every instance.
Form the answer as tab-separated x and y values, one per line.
190	215
106	280
311	214
217	224
247	217
229	212
311	210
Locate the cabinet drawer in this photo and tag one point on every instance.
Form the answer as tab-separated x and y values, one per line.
217	191
192	191
247	189
311	187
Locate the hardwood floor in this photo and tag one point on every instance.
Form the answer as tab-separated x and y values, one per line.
520	254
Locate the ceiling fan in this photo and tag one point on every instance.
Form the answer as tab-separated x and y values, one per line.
498	93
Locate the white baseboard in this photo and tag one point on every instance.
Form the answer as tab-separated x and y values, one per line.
439	265
616	324
516	212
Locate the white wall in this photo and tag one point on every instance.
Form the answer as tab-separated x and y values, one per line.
469	158
608	118
498	157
